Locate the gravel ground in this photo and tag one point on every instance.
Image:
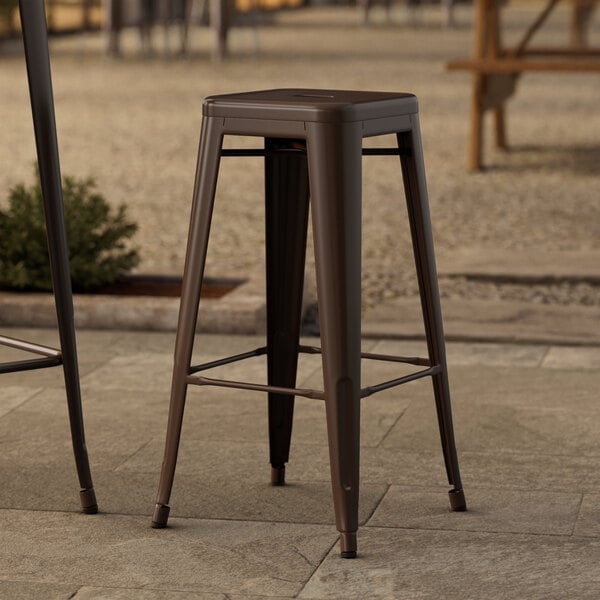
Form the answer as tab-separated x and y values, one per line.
133	124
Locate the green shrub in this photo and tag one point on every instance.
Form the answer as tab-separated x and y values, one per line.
97	238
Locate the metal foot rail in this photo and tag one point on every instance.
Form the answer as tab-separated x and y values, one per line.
308	392
264	152
51	357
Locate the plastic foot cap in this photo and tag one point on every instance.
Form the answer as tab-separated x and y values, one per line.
160	516
348	544
457	500
278	475
88	501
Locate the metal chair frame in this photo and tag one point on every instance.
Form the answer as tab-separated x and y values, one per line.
35	38
313	152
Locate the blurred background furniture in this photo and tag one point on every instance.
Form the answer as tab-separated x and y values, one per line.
167	12
496	69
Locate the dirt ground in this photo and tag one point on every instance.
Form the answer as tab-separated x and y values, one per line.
133	124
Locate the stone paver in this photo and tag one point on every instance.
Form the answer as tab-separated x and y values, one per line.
560	357
527	437
482	321
127	593
403	564
492	510
25	590
588	523
192	555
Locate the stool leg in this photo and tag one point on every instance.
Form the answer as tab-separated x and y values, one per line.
413	172
204	195
334	162
286	211
42	105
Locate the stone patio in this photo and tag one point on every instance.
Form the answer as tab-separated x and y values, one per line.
527	424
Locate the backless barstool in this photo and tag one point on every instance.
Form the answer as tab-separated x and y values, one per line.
313	148
33	22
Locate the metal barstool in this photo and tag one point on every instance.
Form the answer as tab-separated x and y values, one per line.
35	37
313	147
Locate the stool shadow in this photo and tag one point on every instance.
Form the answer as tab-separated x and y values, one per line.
579	159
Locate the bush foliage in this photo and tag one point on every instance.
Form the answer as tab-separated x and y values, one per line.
99	251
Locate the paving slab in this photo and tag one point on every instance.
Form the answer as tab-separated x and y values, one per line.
51	376
216	414
105	593
495	470
211	495
118	341
27	590
14	396
491	510
503	427
192	555
398	564
565	357
527	387
479	320
466	354
118	423
526	433
152	369
128	593
588	522
52	487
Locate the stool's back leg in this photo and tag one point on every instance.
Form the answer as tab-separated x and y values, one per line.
413	173
334	162
204	194
35	38
286	212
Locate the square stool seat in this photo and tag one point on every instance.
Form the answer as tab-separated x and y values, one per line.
342	106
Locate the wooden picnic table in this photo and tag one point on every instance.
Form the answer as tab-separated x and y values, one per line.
496	69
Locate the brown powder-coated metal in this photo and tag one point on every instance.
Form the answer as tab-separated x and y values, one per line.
323	106
286	227
313	148
306	392
35	37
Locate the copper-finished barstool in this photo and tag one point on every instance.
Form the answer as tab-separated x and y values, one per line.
313	148
35	37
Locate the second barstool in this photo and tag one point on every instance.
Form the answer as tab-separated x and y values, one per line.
313	150
35	38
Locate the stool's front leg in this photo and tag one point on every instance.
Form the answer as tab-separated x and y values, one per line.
42	105
334	161
202	207
286	212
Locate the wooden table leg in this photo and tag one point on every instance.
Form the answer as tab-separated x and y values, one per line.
219	23
500	127
479	50
476	138
494	50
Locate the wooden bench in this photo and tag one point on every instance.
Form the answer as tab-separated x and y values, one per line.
496	69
